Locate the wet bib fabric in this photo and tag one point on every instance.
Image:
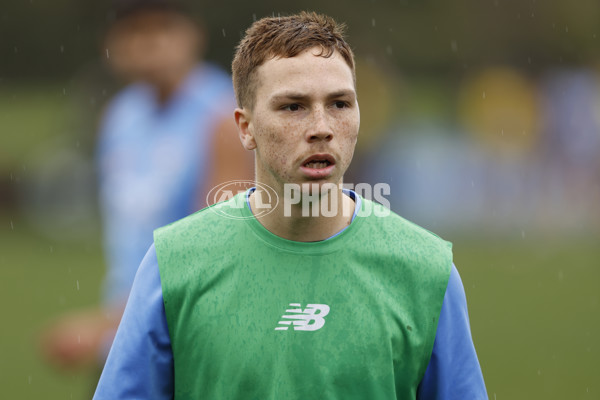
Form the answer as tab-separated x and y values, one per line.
255	316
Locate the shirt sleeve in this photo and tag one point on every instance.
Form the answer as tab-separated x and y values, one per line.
453	372
140	362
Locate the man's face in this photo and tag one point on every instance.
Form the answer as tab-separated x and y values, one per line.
305	120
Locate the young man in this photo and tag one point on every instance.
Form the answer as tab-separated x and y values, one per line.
236	303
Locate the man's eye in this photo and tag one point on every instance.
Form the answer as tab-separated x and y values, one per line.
341	104
292	107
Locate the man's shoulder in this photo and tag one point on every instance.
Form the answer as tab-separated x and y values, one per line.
394	236
410	254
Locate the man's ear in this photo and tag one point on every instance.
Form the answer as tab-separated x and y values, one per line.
243	120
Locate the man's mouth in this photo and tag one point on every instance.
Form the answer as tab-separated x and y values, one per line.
317	164
319	161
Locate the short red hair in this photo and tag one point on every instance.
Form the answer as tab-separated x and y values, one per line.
288	36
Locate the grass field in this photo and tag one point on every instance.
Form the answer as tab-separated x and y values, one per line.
41	279
535	316
534	307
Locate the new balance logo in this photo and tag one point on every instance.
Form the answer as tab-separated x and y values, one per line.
311	318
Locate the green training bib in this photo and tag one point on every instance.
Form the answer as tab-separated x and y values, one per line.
255	316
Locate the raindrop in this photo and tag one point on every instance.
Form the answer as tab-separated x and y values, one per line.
472	183
51	249
64	91
539	372
62	48
254	17
484	95
29	379
566	28
373	22
16	50
223	30
77	284
79	339
529	60
388	49
107	55
12	227
523	234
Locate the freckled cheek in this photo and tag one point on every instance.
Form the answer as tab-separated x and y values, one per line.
349	130
275	146
349	135
277	133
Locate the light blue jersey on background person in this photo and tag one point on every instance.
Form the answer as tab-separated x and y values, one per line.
153	159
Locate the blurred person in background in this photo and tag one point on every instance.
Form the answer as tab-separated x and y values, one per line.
165	140
570	168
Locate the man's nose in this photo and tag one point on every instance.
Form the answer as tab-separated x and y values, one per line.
321	126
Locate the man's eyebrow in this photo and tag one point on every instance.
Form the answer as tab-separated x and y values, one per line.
289	96
342	93
296	96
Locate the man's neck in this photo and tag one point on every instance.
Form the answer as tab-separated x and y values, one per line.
299	223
